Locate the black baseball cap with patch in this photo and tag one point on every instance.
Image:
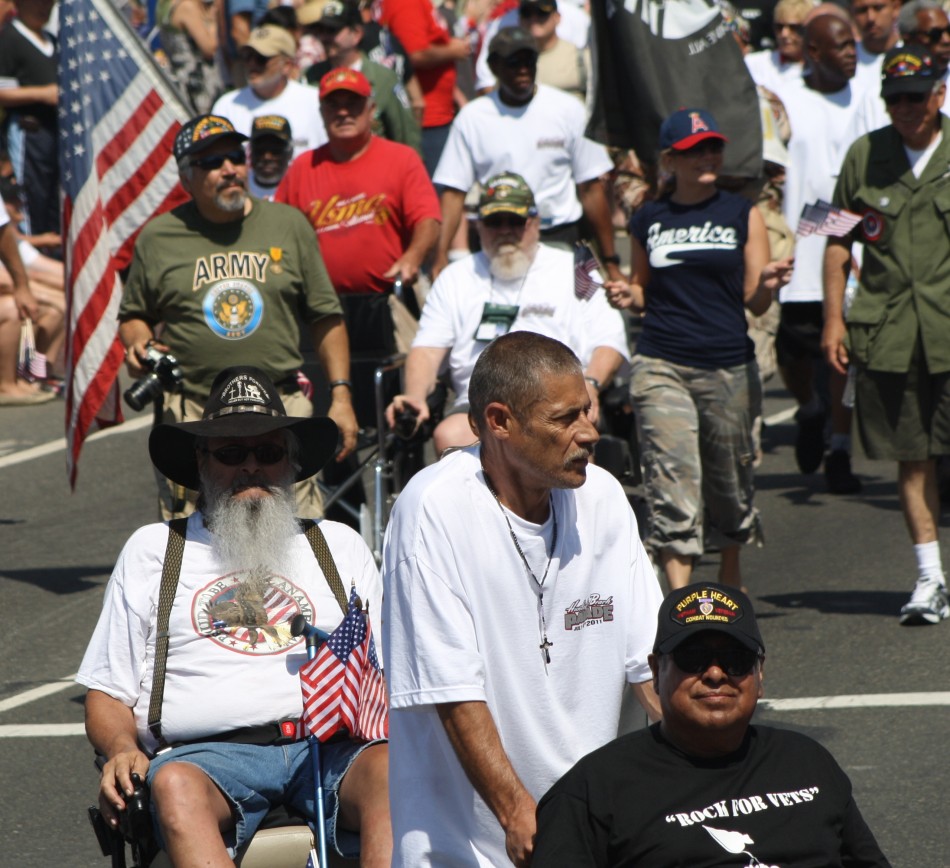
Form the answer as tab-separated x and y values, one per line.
275	126
908	68
702	607
201	133
509	41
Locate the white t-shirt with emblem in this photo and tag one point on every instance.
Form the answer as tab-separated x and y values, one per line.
221	674
461	624
298	102
543	141
819	124
546	303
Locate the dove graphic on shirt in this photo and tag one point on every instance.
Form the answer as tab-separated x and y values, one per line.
735	842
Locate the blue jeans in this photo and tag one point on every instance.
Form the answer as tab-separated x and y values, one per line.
253	778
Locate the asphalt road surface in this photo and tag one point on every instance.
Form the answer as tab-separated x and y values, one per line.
827	586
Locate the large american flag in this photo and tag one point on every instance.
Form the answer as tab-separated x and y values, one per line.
118	117
343	687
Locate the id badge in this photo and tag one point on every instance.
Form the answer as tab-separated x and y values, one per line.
496	321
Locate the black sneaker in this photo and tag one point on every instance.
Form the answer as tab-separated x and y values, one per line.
838	474
810	441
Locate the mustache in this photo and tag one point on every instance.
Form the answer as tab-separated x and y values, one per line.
253	482
583	453
235	181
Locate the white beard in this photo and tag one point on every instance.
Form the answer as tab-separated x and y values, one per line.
509	262
252	535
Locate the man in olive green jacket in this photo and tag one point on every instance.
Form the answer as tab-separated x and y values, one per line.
896	337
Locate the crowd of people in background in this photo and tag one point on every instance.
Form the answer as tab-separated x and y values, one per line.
356	162
385	123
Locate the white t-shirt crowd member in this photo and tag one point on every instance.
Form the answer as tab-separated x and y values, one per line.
218	677
299	103
546	303
819	124
461	624
543	141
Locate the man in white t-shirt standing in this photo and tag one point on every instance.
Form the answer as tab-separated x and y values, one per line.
538	132
518	602
781	66
819	115
515	283
269	57
876	21
921	22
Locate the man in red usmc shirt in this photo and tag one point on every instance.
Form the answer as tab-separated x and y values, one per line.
369	200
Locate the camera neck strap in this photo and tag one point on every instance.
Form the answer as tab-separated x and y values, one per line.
171	572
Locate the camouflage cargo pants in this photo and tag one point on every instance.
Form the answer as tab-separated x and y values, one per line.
695	428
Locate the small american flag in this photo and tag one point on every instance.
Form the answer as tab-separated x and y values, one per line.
343	687
823	218
587	279
117	121
31	364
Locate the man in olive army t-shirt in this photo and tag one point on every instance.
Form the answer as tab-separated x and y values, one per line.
226	276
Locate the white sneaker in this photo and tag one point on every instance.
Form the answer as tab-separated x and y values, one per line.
928	604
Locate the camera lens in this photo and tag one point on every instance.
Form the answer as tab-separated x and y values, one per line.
143	391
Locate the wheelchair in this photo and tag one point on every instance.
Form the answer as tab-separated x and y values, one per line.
284	840
392	457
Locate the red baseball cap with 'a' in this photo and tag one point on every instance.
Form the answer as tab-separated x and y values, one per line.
345	79
688	127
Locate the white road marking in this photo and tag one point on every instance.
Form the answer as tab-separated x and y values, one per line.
38	693
805	703
60	445
39	730
865	700
780	417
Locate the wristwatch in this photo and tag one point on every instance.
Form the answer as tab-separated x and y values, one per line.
613	259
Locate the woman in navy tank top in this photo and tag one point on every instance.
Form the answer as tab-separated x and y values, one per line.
700	258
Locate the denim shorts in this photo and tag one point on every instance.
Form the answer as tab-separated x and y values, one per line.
255	777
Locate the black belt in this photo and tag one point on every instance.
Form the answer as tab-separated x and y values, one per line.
263	734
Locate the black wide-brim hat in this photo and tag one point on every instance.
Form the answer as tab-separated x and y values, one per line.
243	403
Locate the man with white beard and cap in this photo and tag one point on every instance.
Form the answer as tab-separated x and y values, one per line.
218	743
515	283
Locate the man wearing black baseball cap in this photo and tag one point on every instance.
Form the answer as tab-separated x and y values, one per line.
895	339
271	147
539	132
704	786
228	277
228	689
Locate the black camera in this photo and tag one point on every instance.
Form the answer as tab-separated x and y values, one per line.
164	373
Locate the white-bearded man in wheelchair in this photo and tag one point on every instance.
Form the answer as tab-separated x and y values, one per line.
221	745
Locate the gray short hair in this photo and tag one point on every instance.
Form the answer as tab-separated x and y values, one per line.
907	17
511	369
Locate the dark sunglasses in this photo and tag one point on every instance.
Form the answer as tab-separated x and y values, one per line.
522	58
252	58
932	35
696	659
216	161
912	98
236	453
779	26
534	12
497	221
710	146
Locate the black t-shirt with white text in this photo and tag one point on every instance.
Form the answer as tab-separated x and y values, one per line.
781	801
